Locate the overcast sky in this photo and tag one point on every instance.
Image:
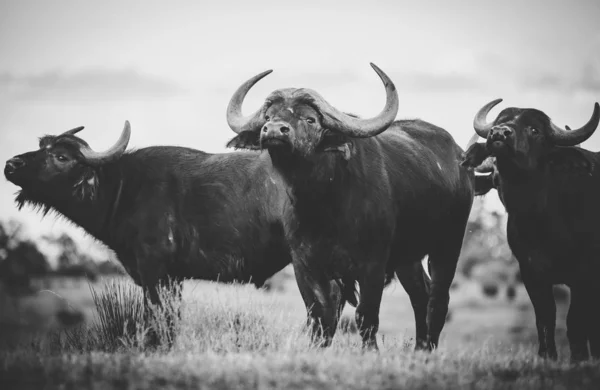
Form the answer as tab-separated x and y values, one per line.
171	67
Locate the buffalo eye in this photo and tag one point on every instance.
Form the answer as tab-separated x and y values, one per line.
534	130
61	158
310	120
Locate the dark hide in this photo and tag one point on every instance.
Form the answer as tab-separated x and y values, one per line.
366	209
168	212
551	196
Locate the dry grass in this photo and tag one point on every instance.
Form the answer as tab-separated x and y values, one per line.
240	337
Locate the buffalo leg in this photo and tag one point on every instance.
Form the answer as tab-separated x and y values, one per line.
413	280
316	293
577	331
338	300
542	298
151	297
152	260
593	321
443	267
170	309
172	306
367	313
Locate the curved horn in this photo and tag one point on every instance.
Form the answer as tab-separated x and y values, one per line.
235	119
486	166
562	137
116	151
363	128
73	131
480	123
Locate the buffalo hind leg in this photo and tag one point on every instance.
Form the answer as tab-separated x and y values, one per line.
338	300
542	299
442	268
316	293
416	285
367	313
577	331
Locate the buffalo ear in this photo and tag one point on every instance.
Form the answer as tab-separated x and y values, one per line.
245	140
569	160
474	156
338	144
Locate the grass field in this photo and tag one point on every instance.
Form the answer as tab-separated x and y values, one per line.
240	337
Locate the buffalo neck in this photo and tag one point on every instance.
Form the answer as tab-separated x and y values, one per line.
318	174
521	190
317	185
96	213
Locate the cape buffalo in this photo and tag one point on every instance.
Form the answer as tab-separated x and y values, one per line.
167	212
369	198
550	189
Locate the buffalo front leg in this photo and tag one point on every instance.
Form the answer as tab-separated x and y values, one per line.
416	284
152	268
171	305
593	320
577	327
367	313
161	315
542	299
315	289
151	300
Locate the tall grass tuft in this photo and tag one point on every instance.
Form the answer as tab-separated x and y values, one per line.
120	314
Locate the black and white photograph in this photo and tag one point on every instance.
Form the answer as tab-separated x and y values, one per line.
262	194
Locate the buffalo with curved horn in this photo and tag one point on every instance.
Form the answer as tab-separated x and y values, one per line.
550	188
369	198
167	212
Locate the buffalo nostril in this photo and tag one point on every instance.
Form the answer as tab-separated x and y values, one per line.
507	132
284	129
264	129
15	163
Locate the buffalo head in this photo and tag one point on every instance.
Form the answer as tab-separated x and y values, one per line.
528	137
478	157
64	166
302	122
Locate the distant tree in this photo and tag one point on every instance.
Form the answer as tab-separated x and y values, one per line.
69	253
20	257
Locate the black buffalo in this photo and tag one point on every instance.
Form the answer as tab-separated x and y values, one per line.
550	189
167	212
369	199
